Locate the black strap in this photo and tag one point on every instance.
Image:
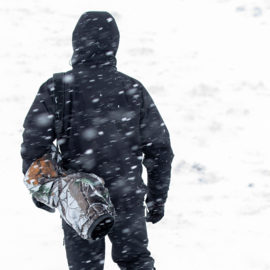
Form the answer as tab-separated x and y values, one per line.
59	90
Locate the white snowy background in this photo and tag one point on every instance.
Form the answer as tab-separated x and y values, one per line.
206	64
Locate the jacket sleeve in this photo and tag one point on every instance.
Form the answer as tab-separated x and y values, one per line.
156	147
38	125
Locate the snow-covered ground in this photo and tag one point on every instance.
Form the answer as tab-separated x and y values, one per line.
206	64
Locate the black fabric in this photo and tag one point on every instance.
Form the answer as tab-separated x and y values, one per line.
129	244
111	125
95	39
59	98
155	211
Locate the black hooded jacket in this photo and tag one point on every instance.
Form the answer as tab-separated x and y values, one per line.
111	124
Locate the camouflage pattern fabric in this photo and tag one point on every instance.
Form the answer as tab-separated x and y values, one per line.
81	198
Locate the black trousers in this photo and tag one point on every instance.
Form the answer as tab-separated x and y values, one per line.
129	244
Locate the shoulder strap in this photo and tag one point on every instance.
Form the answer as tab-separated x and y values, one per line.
59	90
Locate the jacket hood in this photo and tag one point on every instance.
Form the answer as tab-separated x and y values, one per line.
95	39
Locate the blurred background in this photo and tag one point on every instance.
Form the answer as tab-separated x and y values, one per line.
206	65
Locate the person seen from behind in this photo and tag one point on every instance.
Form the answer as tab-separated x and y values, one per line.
111	127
